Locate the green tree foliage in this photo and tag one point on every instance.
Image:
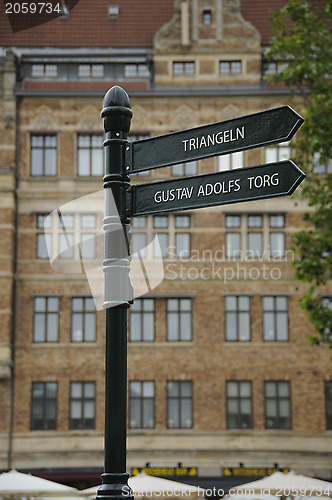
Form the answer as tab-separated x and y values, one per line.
302	45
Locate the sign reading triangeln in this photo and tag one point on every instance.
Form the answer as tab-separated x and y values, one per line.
238	134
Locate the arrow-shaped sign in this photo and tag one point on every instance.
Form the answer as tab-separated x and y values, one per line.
246	132
252	183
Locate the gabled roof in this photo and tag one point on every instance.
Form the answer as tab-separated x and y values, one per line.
88	24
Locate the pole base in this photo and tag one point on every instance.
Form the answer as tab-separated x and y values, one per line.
115	487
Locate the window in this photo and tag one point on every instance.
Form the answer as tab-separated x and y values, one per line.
179	404
233	239
273	67
82	405
141	405
182	239
239	406
328	402
44	237
230	67
183	169
183	68
44	406
275	318
277	405
237	309
44	70
255	236
91	70
43	154
83	319
277	237
68	236
136	71
46	319
160	222
90	154
320	166
173	231
138	239
231	161
179	320
142	320
207	17
113	11
281	151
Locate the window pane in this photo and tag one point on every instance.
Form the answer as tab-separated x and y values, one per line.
66	246
135	327
244	326
191	168
270	389
160	248
148	327
268	321
282	326
185	326
50	162
88	245
138	244
135	389
76	390
52	327
172	326
185	304
230	303
233	244
255	244
254	221
89	390
77	328
281	303
89	409
271	155
97	162
182	243
268	303
36	162
90	327
148	389
160	221
182	221
231	326
75	409
224	163
277	220
186	413
244	303
233	221
237	159
148	414
232	389
277	244
135	413
172	304
283	389
173	413
44	241
83	162
173	389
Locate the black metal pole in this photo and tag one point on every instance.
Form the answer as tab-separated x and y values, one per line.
116	116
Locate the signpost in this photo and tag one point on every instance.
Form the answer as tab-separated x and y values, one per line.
121	158
247	132
253	183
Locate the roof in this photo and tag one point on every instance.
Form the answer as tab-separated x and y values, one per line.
88	24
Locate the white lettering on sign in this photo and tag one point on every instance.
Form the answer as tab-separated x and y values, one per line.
263	181
206	189
219	187
204	141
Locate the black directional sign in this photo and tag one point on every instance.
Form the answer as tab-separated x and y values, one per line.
246	132
253	183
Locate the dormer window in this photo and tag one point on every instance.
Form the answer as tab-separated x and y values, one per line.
207	17
113	11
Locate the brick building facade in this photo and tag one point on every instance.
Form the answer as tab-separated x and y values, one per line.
220	372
